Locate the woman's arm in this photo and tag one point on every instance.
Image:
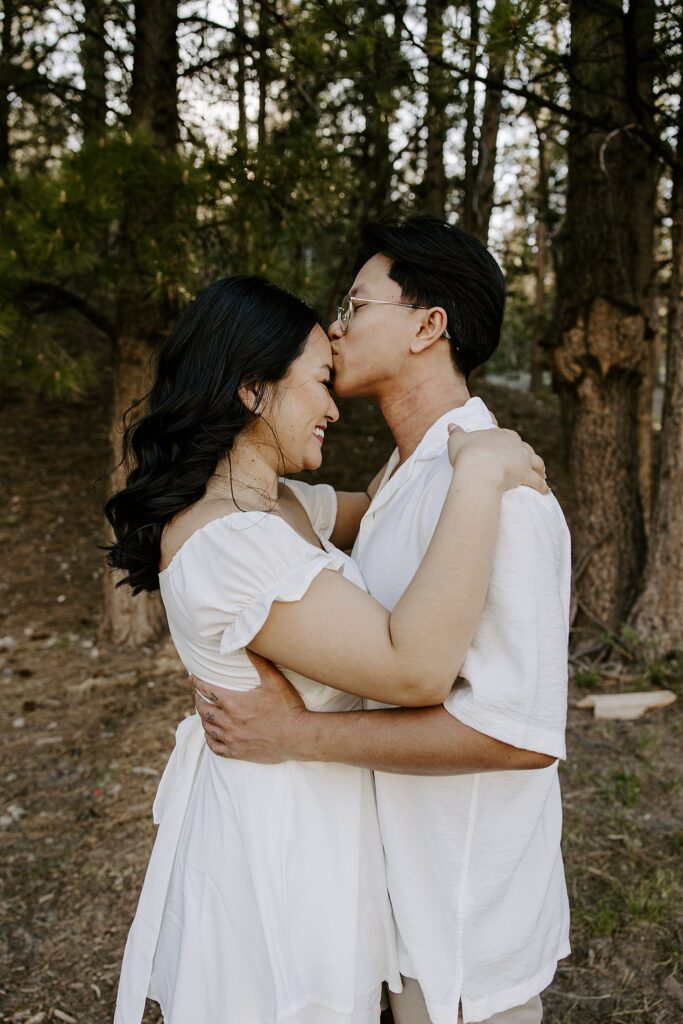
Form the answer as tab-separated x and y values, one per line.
340	636
351	507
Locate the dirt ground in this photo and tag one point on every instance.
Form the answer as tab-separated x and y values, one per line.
87	729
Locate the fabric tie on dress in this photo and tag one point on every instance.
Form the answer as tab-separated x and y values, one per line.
179	772
169	809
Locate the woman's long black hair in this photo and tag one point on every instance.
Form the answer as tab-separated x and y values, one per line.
240	331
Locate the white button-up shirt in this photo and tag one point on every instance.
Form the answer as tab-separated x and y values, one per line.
474	865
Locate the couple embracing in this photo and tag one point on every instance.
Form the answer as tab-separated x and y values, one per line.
288	884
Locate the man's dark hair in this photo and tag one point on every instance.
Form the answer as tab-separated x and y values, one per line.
437	264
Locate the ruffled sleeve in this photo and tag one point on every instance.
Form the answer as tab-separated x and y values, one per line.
320	502
229	573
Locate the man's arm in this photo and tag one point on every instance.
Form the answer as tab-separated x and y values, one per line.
351	507
271	724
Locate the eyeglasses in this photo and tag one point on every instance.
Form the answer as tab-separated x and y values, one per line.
345	311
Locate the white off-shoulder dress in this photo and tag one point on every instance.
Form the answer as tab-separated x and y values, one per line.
265	898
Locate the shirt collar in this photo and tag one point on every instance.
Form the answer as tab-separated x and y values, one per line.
473	415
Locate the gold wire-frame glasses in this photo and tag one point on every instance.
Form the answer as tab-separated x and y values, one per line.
345	310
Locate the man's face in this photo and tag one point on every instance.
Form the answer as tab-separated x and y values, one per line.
372	351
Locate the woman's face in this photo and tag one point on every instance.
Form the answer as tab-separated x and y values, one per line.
300	407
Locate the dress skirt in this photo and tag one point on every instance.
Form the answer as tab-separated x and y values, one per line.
265	897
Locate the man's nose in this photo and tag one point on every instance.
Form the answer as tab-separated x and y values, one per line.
335	331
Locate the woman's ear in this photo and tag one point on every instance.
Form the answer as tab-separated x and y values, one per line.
248	396
433	324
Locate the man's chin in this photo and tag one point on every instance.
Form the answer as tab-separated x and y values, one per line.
345	388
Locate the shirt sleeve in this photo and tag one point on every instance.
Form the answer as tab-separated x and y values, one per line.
515	672
320	502
233	570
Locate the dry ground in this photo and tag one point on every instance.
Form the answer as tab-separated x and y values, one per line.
87	729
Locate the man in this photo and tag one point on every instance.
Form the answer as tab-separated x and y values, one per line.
472	847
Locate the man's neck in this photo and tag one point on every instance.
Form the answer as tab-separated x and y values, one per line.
410	412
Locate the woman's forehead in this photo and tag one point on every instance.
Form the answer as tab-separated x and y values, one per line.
318	347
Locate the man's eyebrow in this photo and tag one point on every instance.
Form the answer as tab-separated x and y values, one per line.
359	288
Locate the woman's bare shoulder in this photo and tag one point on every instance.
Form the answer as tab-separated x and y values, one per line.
179	530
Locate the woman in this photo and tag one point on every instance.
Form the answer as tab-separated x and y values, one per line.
265	899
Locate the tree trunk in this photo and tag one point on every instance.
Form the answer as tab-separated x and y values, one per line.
142	319
467	219
8	10
434	182
94	64
154	88
541	269
263	78
380	102
498	51
658	613
241	81
640	74
128	620
603	311
644	438
538	334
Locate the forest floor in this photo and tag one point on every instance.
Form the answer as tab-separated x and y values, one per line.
87	728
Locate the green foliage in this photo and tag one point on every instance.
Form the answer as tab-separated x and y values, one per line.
64	250
64	225
342	136
587	679
649	669
47	358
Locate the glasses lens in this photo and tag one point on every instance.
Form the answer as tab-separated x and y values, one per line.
345	311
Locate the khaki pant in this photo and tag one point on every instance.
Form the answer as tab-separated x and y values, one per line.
408	1007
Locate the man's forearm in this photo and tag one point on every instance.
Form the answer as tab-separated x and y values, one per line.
422	741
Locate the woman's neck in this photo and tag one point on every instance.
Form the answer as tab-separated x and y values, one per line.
249	472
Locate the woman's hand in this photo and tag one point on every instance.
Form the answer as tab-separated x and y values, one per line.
499	454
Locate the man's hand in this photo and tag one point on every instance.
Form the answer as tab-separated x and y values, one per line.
256	725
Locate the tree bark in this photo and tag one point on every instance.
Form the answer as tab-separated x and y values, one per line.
94	64
241	82
8	10
380	101
538	334
603	313
128	620
467	219
541	269
434	182
658	613
154	87
263	79
640	72
142	319
498	52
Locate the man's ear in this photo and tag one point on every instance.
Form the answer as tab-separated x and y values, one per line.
432	326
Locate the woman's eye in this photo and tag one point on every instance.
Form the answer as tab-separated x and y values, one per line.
327	384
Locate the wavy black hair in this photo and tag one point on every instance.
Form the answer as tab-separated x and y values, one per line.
240	331
438	264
